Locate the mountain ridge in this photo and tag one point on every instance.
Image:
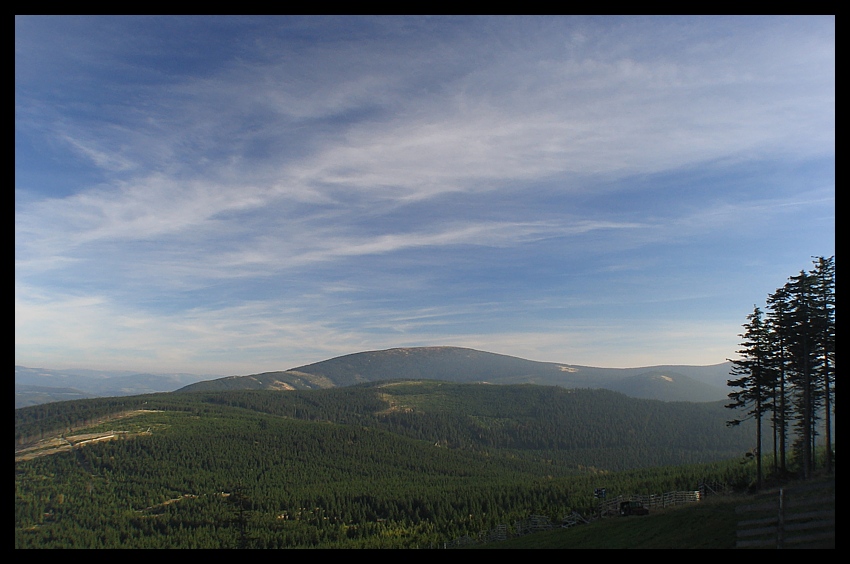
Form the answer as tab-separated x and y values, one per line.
464	365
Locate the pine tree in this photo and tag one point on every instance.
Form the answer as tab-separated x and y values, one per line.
754	385
805	365
824	325
777	320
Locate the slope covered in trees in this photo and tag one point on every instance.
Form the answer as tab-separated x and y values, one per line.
390	464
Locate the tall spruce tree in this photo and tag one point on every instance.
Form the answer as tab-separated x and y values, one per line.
778	323
804	375
753	387
824	322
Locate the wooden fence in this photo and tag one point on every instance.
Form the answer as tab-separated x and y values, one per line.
798	517
611	507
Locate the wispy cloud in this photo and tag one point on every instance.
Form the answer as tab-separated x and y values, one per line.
204	163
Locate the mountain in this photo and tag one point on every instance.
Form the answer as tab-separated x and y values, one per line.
41	385
463	365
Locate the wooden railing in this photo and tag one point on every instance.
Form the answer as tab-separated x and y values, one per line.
798	517
655	501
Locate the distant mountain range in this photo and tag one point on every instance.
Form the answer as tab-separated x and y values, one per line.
40	385
462	365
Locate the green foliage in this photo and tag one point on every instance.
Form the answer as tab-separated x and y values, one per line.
380	465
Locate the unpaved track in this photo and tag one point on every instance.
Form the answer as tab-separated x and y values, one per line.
63	442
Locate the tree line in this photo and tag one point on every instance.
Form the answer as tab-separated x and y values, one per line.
785	376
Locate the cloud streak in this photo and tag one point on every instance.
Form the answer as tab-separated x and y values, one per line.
214	165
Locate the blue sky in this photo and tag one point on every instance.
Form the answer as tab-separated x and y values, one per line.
231	195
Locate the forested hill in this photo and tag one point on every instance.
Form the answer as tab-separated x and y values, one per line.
392	464
585	427
462	365
597	428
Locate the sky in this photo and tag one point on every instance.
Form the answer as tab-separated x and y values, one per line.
233	195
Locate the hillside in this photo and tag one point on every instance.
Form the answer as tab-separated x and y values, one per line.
598	428
391	464
666	385
462	365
